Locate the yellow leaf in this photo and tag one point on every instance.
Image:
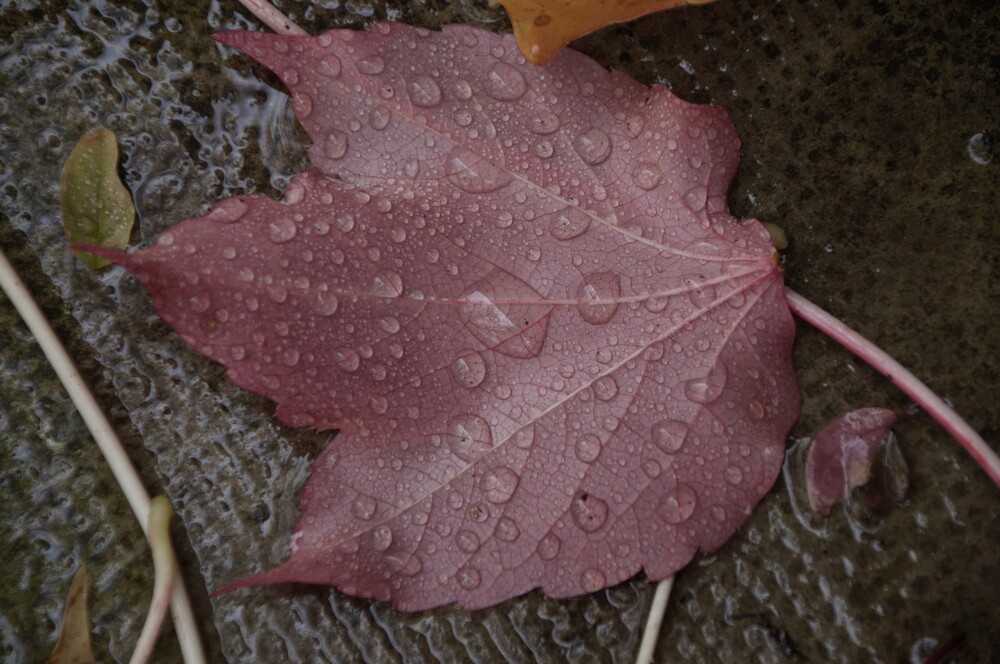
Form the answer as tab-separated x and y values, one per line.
542	27
96	206
73	646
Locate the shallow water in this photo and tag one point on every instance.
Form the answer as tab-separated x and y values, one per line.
866	137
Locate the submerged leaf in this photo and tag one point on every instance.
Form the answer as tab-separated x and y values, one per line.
73	646
554	356
542	27
842	454
96	207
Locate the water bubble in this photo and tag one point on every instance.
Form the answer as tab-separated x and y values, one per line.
469	369
588	448
468	578
363	508
593	146
335	145
227	212
544	149
507	530
424	92
733	475
592	580
669	435
461	89
647	176
507	315
652	468
588	512
371	65
326	303
505	83
472	173
677	507
347	359
383	538
330	66
379	118
606	388
598	295
504	219
568	223
467	541
389	324
302	104
282	229
696	197
387	283
718	513
469	437
379	405
708	389
548	547
633	126
544	123
524	437
500	484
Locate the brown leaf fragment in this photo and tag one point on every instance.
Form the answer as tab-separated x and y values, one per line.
542	27
96	207
73	646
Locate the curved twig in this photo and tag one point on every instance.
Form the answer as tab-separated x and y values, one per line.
657	610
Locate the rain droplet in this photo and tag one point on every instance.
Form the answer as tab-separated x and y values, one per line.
588	512
606	388
598	295
718	513
302	104
756	409
516	324
592	580
647	176
363	507
469	437
669	435
227	212
544	149
505	83
478	513
387	284
507	530
468	578
678	507
504	219
568	223
652	468
347	359
593	146
424	92
389	324
379	405
548	547
383	538
281	229
525	437
472	173
326	303
500	484
733	475
371	65
467	541
707	389
696	198
633	126
588	448
544	123
335	145
329	65
469	369
461	89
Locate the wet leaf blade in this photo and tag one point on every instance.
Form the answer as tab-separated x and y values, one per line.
73	646
96	207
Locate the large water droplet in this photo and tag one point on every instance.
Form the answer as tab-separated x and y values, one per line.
335	145
371	65
467	541
469	437
647	176
468	578
696	197
389	324
592	580
606	388
677	507
227	212
588	448
383	538
387	283
669	435
330	66
281	229
733	475
469	369
506	314
346	359
424	92
326	303
507	530
593	146
505	83
473	173
548	547
588	512
598	295
500	484
568	223
706	390
544	123
363	507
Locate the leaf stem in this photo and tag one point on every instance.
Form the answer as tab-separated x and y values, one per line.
104	436
879	360
651	633
165	576
270	16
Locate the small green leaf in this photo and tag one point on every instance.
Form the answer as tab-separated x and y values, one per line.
96	206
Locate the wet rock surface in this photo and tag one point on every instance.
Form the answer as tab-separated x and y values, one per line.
866	135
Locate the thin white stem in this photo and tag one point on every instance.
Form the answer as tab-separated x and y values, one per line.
104	436
658	609
165	575
272	18
879	360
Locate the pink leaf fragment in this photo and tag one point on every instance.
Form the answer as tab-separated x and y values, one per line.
841	456
554	356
